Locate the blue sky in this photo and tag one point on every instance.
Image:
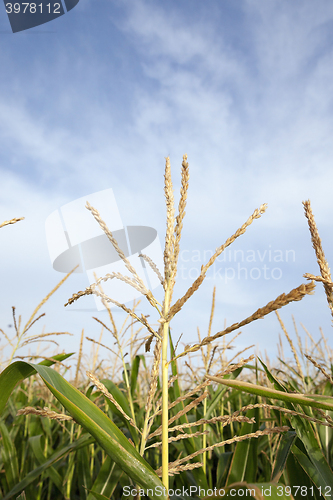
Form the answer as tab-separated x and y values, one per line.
99	97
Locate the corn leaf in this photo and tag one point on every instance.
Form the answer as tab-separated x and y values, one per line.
15	373
287	440
135	372
121	399
272	393
107	479
34	474
297	476
313	460
9	457
92	418
244	460
36	447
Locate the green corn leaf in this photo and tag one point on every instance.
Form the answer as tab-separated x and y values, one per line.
220	393
326	438
222	467
22	496
296	476
121	399
34	474
244	460
285	445
92	418
36	447
97	496
83	470
313	458
9	457
107	479
191	444
304	430
14	373
273	393
135	372
314	472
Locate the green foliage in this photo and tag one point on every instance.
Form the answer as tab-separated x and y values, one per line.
230	439
48	459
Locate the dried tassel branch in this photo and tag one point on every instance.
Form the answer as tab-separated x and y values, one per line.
179	304
46	412
101	387
322	262
281	301
235	439
12	221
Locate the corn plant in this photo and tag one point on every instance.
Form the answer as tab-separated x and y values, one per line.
312	453
127	445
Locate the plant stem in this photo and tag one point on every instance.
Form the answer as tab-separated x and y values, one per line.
165	395
204	439
129	395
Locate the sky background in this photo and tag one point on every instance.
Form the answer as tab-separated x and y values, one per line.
99	97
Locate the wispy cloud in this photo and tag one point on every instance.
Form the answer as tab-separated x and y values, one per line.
245	91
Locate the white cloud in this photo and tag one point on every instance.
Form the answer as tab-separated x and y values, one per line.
256	122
